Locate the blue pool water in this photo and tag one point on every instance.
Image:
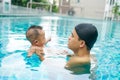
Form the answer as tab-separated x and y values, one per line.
13	49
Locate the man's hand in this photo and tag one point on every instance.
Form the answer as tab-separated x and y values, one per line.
31	51
38	50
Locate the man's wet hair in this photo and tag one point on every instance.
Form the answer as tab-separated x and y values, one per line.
34	35
87	32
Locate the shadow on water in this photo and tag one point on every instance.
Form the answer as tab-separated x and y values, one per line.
32	61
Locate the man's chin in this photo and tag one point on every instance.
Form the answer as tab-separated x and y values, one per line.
69	47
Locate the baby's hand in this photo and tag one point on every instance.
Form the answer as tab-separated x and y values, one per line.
31	51
35	49
38	50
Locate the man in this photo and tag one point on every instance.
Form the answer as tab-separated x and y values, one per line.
80	42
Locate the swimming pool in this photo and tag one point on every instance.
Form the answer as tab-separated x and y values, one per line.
13	49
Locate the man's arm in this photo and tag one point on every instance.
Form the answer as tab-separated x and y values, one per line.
77	61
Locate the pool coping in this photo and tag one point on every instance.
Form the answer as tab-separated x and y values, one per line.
23	15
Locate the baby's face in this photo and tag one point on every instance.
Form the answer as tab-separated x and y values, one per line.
37	38
41	39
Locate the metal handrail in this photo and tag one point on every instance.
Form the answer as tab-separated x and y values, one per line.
40	4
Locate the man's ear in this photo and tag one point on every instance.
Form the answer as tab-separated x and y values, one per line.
82	43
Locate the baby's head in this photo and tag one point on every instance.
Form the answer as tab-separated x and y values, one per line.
36	35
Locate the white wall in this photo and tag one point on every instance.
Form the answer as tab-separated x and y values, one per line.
89	8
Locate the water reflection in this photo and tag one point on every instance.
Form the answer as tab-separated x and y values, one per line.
12	39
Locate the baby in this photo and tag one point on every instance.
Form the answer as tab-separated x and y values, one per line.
36	36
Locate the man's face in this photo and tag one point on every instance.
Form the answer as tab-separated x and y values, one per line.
73	41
